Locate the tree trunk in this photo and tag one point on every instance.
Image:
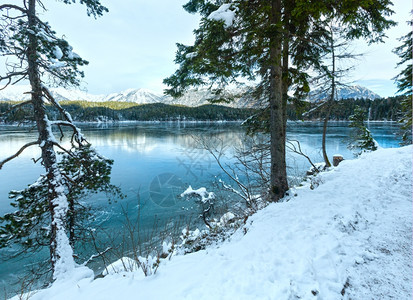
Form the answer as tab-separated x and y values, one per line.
285	71
71	221
61	254
331	100
278	180
326	118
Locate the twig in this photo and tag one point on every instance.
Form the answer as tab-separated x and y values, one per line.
11	6
18	153
314	109
63	149
91	258
290	145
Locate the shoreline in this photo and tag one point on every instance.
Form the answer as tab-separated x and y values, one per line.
190	122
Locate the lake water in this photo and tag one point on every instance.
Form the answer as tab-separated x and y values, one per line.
154	163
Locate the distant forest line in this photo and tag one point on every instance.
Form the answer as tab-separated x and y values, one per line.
82	111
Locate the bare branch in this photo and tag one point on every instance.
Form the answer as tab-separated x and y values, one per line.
7	84
9	77
62	135
65	123
218	160
49	97
297	149
18	153
11	6
35	160
314	109
20	79
63	149
97	255
77	136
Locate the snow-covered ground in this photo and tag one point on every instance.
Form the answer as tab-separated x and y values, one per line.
349	238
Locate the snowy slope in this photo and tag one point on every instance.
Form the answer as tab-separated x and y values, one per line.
349	238
346	92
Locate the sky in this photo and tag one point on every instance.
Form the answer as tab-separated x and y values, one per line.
133	46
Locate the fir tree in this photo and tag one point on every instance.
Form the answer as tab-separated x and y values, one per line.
274	42
361	137
39	56
404	83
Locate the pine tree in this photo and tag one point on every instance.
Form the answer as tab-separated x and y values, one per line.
274	42
39	56
361	137
404	83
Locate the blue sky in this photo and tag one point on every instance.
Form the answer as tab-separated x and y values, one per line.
133	46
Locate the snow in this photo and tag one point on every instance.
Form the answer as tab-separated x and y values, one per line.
345	92
57	64
204	195
43	35
349	238
71	54
223	13
58	53
122	265
141	96
64	265
227	218
191	55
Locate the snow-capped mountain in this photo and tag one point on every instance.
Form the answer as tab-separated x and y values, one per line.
141	96
65	94
190	98
21	93
15	93
195	97
346	92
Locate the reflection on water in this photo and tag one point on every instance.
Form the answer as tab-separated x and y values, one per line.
154	163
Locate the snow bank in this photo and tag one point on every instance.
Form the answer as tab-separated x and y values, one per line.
348	238
122	265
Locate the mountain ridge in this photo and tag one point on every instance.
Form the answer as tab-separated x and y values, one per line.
345	92
191	98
